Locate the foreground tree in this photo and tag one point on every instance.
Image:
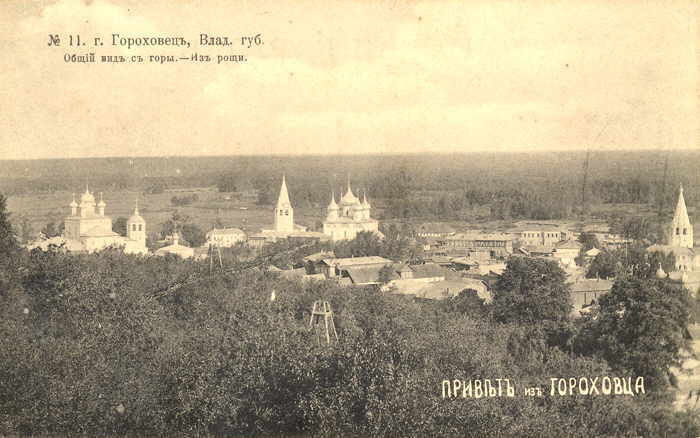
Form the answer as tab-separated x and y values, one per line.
640	326
51	230
531	290
119	226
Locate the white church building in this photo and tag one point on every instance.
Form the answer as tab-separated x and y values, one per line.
349	217
680	242
88	229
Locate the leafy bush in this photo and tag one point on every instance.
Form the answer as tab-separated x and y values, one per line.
105	348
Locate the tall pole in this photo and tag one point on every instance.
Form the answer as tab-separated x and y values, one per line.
583	185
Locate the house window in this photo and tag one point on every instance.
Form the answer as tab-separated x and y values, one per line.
685	231
678	231
286	212
140	227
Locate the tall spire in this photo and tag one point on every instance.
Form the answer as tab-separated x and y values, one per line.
136	206
284	194
681	229
681	210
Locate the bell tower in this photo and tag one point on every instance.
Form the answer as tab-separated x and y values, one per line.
284	213
681	233
136	227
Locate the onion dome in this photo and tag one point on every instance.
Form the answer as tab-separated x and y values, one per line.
365	202
87	198
136	217
332	205
660	273
349	198
73	204
102	202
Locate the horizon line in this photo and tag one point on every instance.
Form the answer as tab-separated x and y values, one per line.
365	154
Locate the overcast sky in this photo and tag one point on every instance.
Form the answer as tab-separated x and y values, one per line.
353	77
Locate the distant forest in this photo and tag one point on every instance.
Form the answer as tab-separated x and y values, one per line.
448	186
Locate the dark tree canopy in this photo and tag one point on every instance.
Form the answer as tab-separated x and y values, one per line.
52	230
189	232
634	260
639	326
531	290
119	226
589	241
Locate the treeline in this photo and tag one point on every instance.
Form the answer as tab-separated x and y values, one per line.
533	186
183	200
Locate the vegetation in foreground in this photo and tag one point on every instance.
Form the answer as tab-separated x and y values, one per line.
91	346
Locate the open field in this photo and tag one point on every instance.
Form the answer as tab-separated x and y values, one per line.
41	208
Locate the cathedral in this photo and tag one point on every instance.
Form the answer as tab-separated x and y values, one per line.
88	229
349	217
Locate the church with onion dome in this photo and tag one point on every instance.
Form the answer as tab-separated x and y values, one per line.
88	229
681	243
349	217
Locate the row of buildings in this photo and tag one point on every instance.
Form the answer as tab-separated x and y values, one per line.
88	229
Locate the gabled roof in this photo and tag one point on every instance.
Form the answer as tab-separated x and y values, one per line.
539	249
476	235
568	244
428	270
364	274
451	288
356	261
226	231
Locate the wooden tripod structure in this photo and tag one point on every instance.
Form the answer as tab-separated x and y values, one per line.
210	254
321	311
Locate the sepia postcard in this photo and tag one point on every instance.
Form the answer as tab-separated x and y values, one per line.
349	218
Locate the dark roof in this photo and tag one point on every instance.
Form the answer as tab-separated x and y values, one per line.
364	274
539	249
568	244
343	263
428	270
450	288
